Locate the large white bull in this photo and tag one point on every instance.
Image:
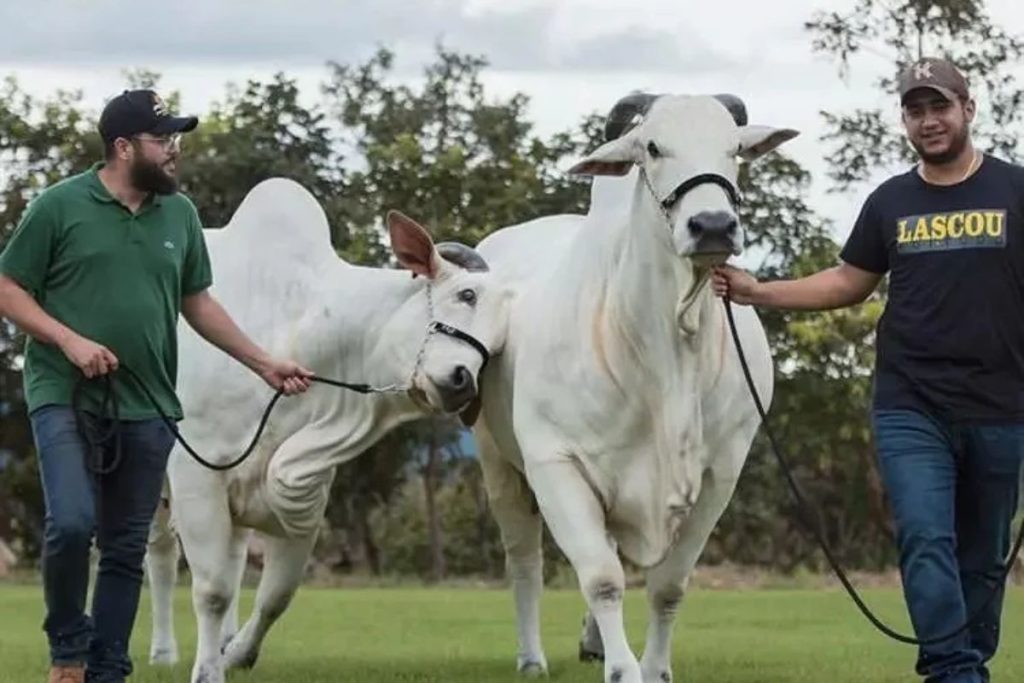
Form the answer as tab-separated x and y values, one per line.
275	271
618	408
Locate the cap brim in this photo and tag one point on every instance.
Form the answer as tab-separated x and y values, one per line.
175	124
945	92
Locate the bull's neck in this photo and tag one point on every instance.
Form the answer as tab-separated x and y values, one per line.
348	340
644	279
362	306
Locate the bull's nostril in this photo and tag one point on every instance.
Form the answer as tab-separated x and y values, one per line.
461	378
696	228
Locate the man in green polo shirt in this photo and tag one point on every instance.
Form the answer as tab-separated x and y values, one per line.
96	275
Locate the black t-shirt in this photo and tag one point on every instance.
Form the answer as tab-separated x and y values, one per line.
951	339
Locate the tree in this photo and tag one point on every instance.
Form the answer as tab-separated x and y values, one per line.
447	156
463	165
899	33
825	360
822	376
41	140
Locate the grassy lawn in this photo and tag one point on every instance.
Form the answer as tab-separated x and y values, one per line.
407	635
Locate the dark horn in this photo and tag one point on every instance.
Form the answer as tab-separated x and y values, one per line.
735	106
462	256
625	114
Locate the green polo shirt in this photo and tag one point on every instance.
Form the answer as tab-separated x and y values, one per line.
114	277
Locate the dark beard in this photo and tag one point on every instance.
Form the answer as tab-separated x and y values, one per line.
149	177
956	148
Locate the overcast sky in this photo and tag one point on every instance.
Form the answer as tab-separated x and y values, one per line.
572	57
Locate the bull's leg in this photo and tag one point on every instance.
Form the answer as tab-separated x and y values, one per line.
162	572
230	626
283	568
576	519
666	582
214	548
512	504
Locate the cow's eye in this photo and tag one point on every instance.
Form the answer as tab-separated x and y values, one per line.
467	296
653	150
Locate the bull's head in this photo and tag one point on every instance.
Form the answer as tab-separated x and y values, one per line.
463	295
686	148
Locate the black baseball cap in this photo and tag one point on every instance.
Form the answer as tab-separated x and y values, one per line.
141	111
936	74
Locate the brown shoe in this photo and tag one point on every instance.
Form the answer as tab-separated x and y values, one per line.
67	674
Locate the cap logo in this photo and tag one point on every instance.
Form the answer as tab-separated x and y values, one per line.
923	70
159	108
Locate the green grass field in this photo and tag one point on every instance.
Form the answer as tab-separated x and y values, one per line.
407	635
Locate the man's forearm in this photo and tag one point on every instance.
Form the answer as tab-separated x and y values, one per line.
209	319
822	291
19	307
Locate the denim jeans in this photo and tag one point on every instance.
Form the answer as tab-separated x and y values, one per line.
117	508
953	489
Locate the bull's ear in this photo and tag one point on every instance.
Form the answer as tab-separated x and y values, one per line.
756	141
613	158
412	245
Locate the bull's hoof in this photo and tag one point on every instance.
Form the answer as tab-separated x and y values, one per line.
591	645
235	657
533	670
164	656
588	655
208	674
658	677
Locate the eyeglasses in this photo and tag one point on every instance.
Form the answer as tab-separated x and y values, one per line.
166	142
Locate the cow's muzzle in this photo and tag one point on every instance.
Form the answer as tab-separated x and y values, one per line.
457	392
715	234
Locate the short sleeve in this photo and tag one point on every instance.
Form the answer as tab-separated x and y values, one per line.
27	256
866	246
197	274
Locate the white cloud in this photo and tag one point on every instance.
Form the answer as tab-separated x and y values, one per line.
522	36
572	57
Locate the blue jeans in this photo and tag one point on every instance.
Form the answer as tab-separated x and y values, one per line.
953	490
118	508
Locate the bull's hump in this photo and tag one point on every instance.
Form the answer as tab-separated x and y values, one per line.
279	216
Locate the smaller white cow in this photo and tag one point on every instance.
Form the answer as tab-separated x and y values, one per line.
275	271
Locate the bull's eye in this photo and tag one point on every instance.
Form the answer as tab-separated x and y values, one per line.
467	296
653	150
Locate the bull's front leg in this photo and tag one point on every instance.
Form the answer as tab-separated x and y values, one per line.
667	581
574	515
283	568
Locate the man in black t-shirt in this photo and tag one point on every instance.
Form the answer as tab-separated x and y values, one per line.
948	411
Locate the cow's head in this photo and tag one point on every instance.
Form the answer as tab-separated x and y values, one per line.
686	148
465	296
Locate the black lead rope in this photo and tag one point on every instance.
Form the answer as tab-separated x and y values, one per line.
109	408
806	518
110	404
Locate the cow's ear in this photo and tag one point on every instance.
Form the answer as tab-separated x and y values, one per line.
413	246
613	158
756	141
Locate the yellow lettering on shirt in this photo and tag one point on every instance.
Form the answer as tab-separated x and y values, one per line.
974	224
